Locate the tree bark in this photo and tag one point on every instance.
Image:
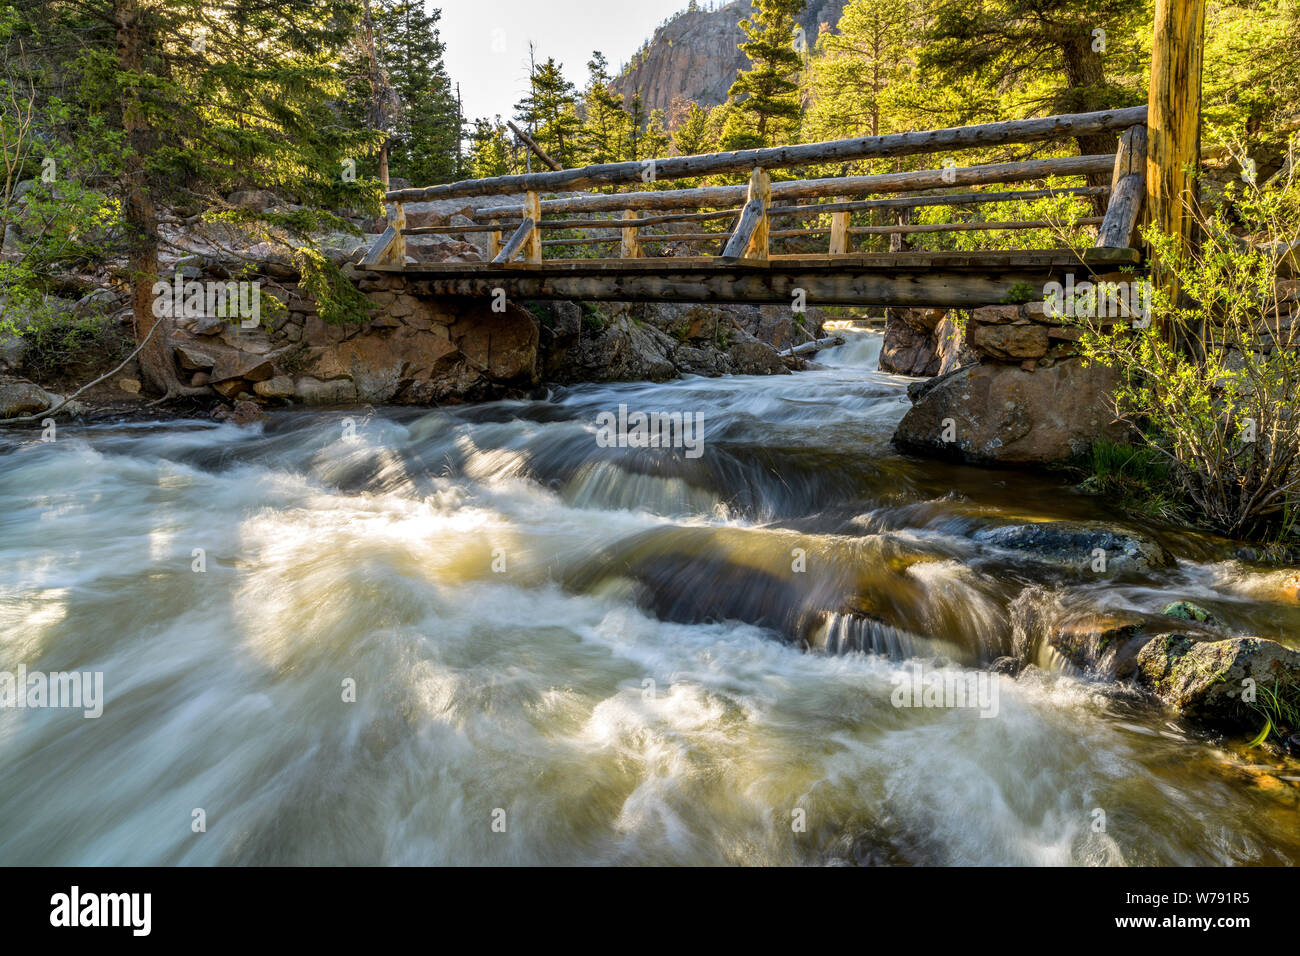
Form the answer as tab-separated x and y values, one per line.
1084	75
156	366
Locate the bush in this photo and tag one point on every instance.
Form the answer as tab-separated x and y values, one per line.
1212	384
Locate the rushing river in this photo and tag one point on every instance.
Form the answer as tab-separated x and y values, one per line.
475	635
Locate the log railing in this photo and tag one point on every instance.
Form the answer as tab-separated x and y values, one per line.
747	211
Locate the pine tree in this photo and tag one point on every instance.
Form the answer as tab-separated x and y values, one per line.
605	124
691	135
851	77
550	112
210	95
427	129
489	153
767	94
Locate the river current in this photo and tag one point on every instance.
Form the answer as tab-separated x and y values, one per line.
476	635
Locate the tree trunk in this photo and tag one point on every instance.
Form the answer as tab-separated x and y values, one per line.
156	365
1084	76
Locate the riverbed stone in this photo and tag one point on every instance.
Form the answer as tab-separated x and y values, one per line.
1205	680
312	391
1079	546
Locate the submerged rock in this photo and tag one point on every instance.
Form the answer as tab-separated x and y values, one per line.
1193	613
1107	645
1080	547
1205	680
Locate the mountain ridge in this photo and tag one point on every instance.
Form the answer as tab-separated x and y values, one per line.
696	56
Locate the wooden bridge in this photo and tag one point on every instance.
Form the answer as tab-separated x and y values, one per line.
745	268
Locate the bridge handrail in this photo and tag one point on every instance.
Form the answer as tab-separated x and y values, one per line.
754	205
783	157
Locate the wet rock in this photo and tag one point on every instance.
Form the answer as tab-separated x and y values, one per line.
245	413
1108	646
1003	414
23	398
281	386
1292	745
749	356
1205	680
1192	613
312	391
1079	546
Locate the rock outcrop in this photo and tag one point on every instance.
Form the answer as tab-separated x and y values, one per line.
695	56
923	343
1028	400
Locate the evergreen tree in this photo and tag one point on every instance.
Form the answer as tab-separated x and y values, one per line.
207	96
427	130
489	151
1049	50
605	124
767	94
691	135
851	77
550	112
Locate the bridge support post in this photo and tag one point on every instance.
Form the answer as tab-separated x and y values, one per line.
839	233
1174	128
631	246
533	211
897	240
760	190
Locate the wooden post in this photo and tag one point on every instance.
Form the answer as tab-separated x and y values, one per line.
1174	127
760	190
494	244
397	219
896	241
533	211
631	248
839	233
1119	229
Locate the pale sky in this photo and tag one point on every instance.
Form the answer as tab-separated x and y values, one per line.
487	41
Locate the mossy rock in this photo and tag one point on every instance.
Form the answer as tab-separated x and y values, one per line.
1192	613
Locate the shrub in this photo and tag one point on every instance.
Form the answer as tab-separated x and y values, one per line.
1212	384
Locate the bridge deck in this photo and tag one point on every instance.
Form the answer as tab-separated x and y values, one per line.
933	279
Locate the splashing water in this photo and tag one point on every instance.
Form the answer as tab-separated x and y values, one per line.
475	635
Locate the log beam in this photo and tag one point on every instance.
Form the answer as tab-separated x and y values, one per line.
783	157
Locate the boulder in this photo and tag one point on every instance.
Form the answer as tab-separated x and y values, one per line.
13	349
1009	342
280	386
1205	680
1074	546
1192	613
911	346
1003	414
257	200
312	391
23	398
